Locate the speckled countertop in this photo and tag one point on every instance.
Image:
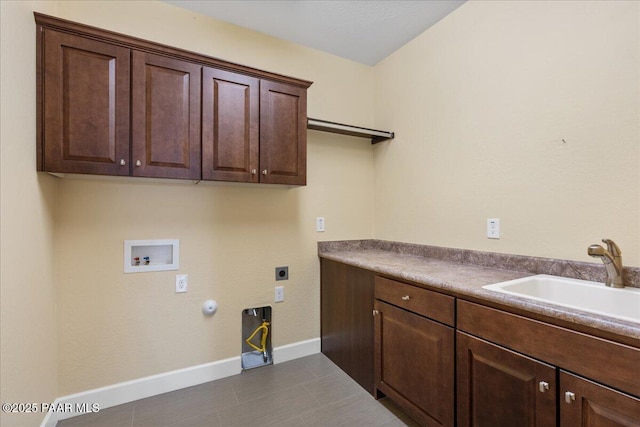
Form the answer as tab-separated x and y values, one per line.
462	273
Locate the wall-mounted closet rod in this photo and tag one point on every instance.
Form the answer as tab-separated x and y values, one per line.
325	126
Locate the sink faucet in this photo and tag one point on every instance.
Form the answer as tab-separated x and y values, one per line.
612	259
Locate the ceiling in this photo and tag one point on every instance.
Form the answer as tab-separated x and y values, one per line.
365	31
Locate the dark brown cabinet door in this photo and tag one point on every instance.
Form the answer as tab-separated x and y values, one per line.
85	123
347	321
498	387
587	404
111	104
166	117
283	133
230	126
414	364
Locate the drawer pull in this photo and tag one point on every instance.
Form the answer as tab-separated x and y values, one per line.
376	312
406	298
543	386
569	397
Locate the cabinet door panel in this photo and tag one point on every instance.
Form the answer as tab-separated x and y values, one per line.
360	309
498	387
334	322
166	117
596	405
283	133
230	126
86	106
347	321
415	364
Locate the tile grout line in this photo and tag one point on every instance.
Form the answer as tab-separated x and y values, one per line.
218	416
133	414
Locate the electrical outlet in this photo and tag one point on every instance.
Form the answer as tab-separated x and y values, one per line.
182	283
282	273
493	228
279	296
320	223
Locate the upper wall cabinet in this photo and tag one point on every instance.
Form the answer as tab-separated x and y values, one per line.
230	126
84	96
110	104
253	130
283	133
165	117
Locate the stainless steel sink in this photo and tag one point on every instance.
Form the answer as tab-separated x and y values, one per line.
621	303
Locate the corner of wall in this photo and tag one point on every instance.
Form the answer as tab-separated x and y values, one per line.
27	221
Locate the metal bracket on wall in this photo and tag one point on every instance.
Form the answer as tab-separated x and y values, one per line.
325	126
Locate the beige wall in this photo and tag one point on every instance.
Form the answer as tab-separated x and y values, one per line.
28	337
481	104
114	327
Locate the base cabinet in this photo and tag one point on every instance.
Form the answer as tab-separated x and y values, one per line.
448	361
414	364
503	381
587	404
498	387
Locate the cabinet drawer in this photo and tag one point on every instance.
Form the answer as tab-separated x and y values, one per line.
421	301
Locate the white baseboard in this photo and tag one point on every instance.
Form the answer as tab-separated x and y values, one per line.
129	391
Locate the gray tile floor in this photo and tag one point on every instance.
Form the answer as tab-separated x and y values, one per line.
310	391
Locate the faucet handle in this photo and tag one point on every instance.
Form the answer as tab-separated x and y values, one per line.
612	247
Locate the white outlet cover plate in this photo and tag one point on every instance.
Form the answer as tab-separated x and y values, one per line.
182	283
493	228
279	294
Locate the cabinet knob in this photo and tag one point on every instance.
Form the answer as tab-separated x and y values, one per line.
376	312
264	172
253	171
406	298
122	162
138	163
543	386
569	397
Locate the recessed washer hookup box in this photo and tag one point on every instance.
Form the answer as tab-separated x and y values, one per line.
151	255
